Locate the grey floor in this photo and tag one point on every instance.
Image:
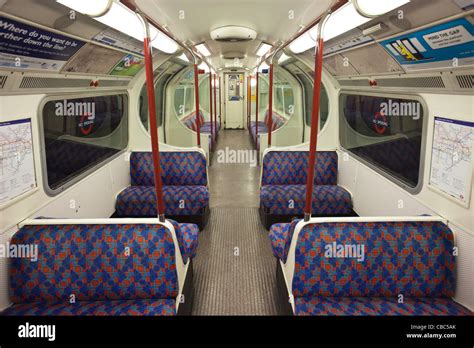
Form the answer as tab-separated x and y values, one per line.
234	270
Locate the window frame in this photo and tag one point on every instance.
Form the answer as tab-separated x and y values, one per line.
165	95
44	168
176	79
395	95
310	79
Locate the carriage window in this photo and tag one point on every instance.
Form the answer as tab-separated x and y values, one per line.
307	84
262	94
184	95
386	132
204	93
284	100
159	100
80	133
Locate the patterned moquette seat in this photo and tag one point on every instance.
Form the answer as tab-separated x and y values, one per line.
109	269
185	191
277	122
389	259
205	126
283	188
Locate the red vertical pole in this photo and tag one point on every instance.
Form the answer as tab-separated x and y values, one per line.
210	107
256	111
314	127
220	103
154	129
215	106
196	96
249	99
270	107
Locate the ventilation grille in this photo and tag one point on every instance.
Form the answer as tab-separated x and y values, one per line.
114	83
3	81
354	83
48	82
411	82
465	81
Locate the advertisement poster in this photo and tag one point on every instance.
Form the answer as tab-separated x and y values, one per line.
452	157
17	168
130	65
111	37
448	45
26	47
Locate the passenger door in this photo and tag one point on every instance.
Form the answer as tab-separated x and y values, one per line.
234	101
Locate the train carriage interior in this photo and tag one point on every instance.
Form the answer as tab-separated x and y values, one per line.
266	158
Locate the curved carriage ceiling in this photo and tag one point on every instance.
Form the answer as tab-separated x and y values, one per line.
273	20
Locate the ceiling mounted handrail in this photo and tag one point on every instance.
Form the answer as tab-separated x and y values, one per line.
272	53
130	4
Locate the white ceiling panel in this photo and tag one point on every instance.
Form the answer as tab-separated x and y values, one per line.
273	20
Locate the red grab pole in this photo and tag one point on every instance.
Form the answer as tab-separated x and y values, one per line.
220	103
314	125
256	111
215	106
154	130
210	107
270	107
249	99
196	96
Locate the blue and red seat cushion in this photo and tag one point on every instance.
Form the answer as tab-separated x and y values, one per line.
94	263
190	121
414	259
140	307
291	168
184	177
140	201
280	236
290	200
363	306
277	122
177	169
187	235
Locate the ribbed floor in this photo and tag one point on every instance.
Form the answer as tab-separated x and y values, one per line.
230	284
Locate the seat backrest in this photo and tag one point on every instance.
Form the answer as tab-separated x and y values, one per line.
191	121
277	120
413	259
187	168
92	262
291	168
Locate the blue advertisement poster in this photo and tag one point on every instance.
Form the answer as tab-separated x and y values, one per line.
448	45
26	47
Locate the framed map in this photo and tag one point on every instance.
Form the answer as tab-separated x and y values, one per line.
17	169
452	159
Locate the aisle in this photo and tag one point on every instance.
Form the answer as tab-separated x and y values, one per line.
234	271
